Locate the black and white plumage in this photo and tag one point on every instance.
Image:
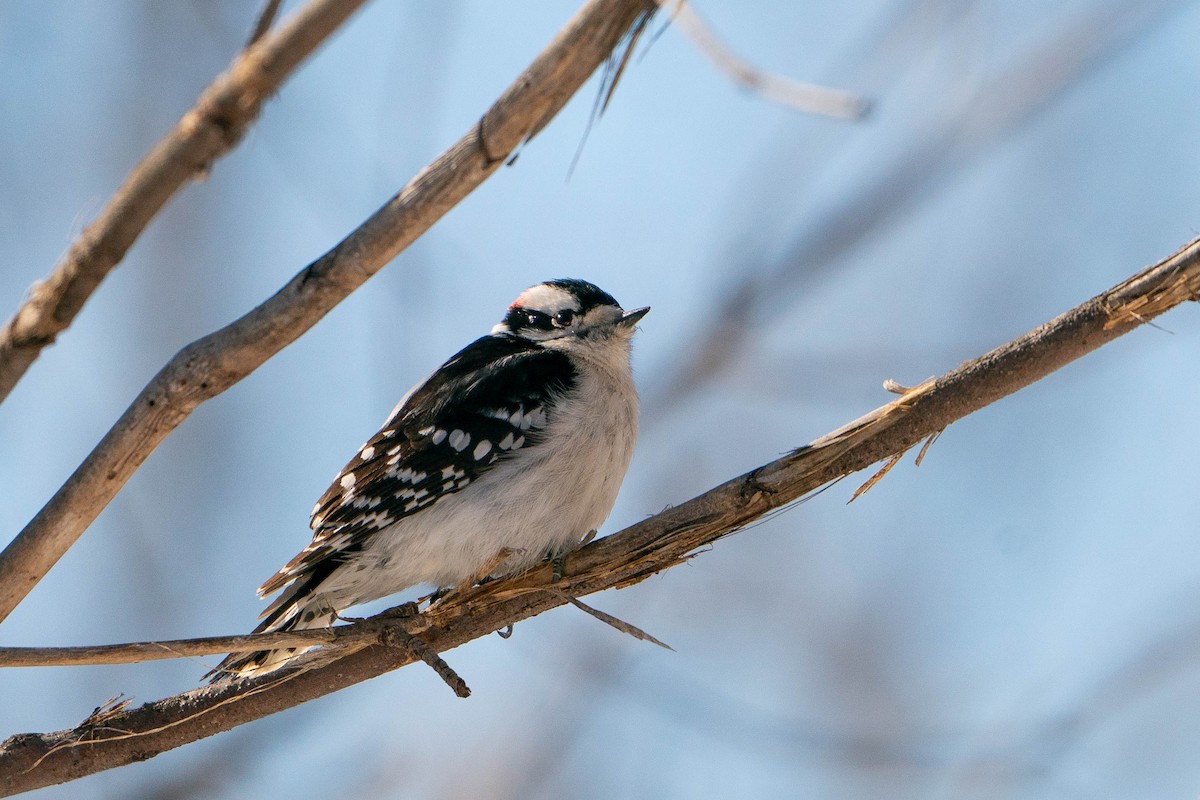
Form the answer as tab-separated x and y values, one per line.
512	451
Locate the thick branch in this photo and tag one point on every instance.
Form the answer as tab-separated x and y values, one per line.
32	760
211	128
211	365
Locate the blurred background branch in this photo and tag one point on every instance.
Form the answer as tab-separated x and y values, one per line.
206	132
799	95
955	132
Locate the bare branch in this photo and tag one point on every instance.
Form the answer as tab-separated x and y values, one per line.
29	761
210	129
212	364
137	652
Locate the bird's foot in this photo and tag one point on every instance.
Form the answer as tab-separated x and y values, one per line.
558	561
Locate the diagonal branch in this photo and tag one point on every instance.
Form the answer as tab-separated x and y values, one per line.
210	129
29	761
216	362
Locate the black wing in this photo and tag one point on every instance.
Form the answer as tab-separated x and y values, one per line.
489	400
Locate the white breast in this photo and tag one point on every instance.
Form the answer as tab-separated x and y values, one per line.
541	502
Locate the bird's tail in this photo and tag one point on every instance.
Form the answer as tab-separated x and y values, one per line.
294	610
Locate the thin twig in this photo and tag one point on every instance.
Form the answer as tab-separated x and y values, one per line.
877	477
265	19
338	636
933	437
616	622
210	129
808	97
418	649
216	362
632	555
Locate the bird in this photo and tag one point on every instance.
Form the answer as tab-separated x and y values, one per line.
509	453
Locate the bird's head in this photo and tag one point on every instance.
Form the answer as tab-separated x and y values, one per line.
568	314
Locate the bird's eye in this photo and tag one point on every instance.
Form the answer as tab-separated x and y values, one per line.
564	318
536	319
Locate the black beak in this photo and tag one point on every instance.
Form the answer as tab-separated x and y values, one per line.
631	318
